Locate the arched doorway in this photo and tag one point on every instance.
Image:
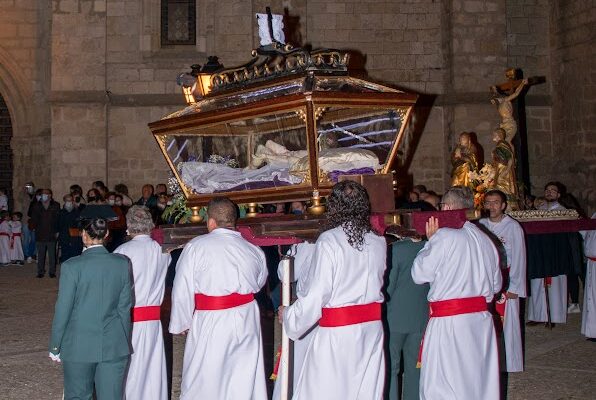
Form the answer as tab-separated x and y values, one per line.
5	150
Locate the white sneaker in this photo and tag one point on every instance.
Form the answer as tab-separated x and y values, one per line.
573	308
29	259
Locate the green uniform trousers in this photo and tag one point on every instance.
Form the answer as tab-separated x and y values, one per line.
409	344
107	376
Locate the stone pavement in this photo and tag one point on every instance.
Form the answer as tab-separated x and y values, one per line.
560	364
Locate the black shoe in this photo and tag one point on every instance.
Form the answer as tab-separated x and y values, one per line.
40	275
533	323
591	339
52	275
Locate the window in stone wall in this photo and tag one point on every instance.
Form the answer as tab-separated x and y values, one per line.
178	22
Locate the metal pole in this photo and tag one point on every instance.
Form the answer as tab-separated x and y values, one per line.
285	365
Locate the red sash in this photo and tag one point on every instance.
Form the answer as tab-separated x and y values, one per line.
204	302
350	315
148	313
4	234
592	258
449	308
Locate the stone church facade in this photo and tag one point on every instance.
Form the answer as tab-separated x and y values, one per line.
82	78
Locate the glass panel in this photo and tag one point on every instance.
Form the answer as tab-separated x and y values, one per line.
255	153
347	84
355	140
251	96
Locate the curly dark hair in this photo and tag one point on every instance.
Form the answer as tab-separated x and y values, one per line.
349	207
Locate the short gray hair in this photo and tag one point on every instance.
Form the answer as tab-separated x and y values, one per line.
459	197
139	221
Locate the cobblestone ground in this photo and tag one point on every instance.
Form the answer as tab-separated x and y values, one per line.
560	364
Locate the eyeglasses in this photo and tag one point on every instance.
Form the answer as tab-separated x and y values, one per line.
441	205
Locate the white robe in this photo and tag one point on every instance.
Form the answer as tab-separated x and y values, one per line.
346	362
16	252
147	374
223	357
589	310
460	357
303	253
511	235
4	242
557	292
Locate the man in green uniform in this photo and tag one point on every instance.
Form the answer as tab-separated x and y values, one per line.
407	315
92	324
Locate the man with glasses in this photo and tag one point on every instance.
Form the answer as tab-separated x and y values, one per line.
459	354
552	193
557	285
510	233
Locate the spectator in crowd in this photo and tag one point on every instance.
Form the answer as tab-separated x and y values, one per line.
28	234
3	200
433	199
44	216
76	191
552	193
529	202
117	228
297	208
16	232
122	190
94	197
161	188
69	238
148	199
4	238
414	196
101	187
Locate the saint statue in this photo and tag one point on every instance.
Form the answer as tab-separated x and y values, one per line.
505	108
464	160
504	167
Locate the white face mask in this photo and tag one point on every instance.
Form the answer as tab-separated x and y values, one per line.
111	202
68	206
45	197
38	197
161	206
118	203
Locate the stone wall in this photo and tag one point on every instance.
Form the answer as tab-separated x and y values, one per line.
84	77
573	68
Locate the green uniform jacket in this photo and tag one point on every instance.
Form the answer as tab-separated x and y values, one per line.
407	304
92	318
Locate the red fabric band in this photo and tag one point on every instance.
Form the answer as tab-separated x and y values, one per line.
149	313
204	302
592	258
16	234
350	315
4	234
448	308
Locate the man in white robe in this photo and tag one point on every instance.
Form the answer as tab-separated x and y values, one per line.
147	374
345	359
217	276
302	254
589	311
557	285
459	354
509	232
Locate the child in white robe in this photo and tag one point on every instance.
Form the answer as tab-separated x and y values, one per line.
4	238
16	246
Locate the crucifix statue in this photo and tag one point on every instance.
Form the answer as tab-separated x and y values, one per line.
509	99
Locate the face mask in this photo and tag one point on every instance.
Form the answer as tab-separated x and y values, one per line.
111	202
68	206
161	206
297	212
38	197
45	197
118	203
90	199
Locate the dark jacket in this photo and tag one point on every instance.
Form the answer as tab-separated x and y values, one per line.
92	318
45	221
407	304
